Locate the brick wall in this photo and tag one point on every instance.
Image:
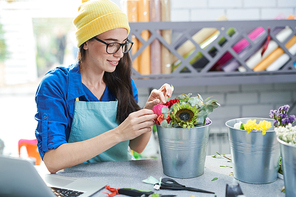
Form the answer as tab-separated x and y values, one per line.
236	100
207	10
239	100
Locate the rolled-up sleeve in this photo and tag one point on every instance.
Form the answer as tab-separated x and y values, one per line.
51	113
135	91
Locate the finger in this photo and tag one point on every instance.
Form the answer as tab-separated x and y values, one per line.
170	91
142	116
145	130
146	118
143	126
151	104
161	96
167	90
143	112
146	124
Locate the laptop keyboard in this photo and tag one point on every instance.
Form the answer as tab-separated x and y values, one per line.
59	192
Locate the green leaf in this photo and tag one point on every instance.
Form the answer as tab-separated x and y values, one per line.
202	113
283	189
214	179
165	110
242	126
165	124
181	97
225	166
209	108
193	101
172	87
207	99
200	98
214	103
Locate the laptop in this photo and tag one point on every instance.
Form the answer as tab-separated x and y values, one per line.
19	177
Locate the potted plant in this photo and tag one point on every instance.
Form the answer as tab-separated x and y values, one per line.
183	131
286	136
254	149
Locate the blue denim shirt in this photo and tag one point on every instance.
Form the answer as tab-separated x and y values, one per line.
55	98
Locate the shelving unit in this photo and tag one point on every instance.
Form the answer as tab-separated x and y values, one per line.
204	76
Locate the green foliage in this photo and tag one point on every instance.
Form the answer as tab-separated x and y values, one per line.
199	108
242	127
136	155
3	46
280	166
186	111
208	108
183	114
46	31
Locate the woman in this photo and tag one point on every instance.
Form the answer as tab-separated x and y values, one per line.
89	112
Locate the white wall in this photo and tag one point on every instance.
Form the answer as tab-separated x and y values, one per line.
204	10
209	10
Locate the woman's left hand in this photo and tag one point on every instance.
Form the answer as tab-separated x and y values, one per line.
159	96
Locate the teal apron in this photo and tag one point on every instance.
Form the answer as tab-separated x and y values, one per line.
92	119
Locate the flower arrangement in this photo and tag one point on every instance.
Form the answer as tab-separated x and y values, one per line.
185	111
252	126
283	124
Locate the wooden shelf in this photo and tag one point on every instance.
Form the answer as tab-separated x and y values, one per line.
182	31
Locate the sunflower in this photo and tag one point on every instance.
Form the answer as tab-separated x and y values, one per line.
184	115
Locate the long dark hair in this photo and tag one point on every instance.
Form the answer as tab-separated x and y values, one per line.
119	83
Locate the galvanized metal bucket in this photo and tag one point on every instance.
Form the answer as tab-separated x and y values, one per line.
255	157
183	151
288	153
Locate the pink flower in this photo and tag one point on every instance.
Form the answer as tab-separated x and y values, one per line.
157	109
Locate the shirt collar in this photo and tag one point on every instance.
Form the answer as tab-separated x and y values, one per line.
75	84
76	87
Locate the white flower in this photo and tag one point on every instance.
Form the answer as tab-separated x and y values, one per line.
294	139
287	133
237	125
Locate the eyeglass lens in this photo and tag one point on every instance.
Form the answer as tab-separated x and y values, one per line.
114	47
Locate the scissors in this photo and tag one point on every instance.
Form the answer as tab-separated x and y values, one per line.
171	184
127	191
159	195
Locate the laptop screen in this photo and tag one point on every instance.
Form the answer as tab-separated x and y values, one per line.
18	177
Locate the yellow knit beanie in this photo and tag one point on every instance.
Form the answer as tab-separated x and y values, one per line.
98	16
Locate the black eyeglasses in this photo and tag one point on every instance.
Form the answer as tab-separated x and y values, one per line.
113	47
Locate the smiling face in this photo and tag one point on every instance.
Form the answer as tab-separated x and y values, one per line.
97	57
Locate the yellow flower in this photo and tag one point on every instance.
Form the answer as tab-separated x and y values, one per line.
263	125
250	125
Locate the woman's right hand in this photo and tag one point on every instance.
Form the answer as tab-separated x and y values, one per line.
136	124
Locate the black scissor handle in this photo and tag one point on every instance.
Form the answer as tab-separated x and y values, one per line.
171	183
